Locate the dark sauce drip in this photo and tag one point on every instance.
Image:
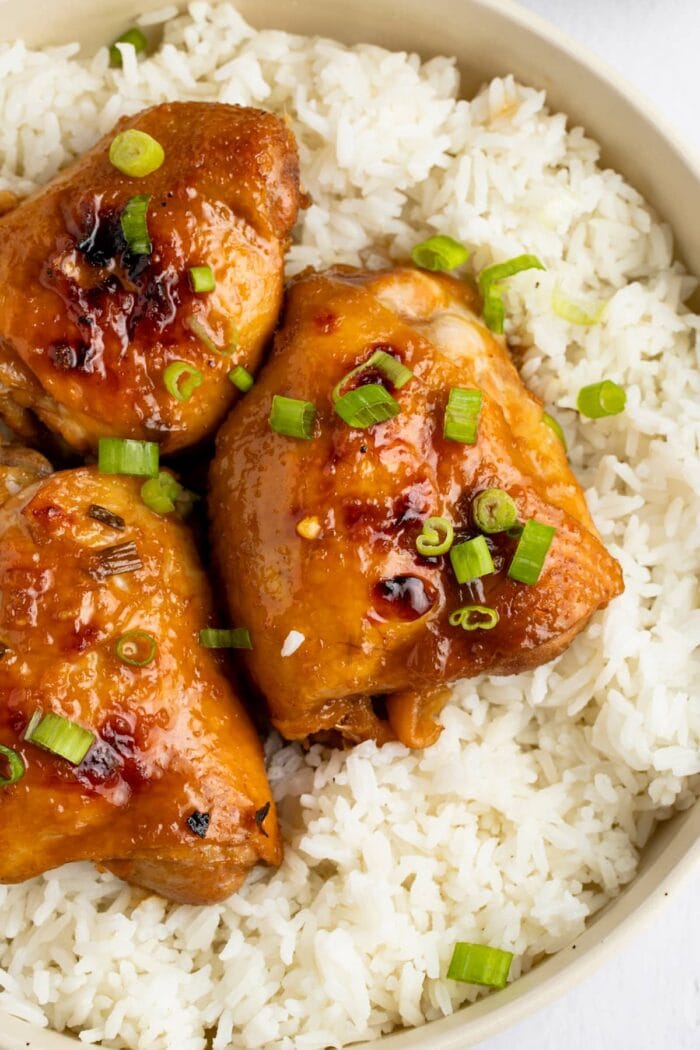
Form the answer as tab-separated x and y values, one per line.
101	236
414	503
122	739
402	598
119	290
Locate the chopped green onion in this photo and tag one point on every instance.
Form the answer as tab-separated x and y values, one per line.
163	493
221	638
601	399
471	559
572	312
135	153
555	426
128	456
474	618
136	648
390	367
197	328
494	511
132	36
439	253
292	417
15	764
114	561
134	225
462	415
202	279
367	405
490	286
534	542
179	387
60	736
479	964
241	378
436	537
106	517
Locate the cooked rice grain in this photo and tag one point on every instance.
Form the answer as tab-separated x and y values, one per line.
529	812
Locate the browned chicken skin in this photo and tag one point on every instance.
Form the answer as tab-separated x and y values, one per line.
372	613
87	329
174	747
19	467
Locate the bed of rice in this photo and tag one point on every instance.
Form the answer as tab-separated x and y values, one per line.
529	812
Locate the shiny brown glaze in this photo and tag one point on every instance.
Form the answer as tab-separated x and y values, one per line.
87	329
19	467
374	613
172	738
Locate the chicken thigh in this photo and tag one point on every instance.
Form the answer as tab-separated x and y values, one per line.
152	768
316	539
91	320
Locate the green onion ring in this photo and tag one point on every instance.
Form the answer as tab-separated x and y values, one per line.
436	538
136	648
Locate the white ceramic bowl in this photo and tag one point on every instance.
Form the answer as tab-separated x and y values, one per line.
489	37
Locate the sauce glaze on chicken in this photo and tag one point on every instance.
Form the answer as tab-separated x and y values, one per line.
87	328
172	795
316	539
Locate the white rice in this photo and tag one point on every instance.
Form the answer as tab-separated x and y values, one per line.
529	812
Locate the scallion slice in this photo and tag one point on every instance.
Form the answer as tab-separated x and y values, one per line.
225	638
480	964
439	253
136	648
15	765
494	511
462	415
182	379
128	456
390	367
134	225
367	405
162	494
555	426
474	618
436	538
601	399
114	560
132	36
241	379
572	312
528	560
292	417
490	285
198	329
60	736
135	153
202	278
106	517
471	559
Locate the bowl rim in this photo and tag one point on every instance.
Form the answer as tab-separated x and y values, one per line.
499	1011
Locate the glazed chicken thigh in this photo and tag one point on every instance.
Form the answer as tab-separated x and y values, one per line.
101	604
316	539
91	320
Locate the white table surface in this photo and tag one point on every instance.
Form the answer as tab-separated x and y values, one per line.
648	996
